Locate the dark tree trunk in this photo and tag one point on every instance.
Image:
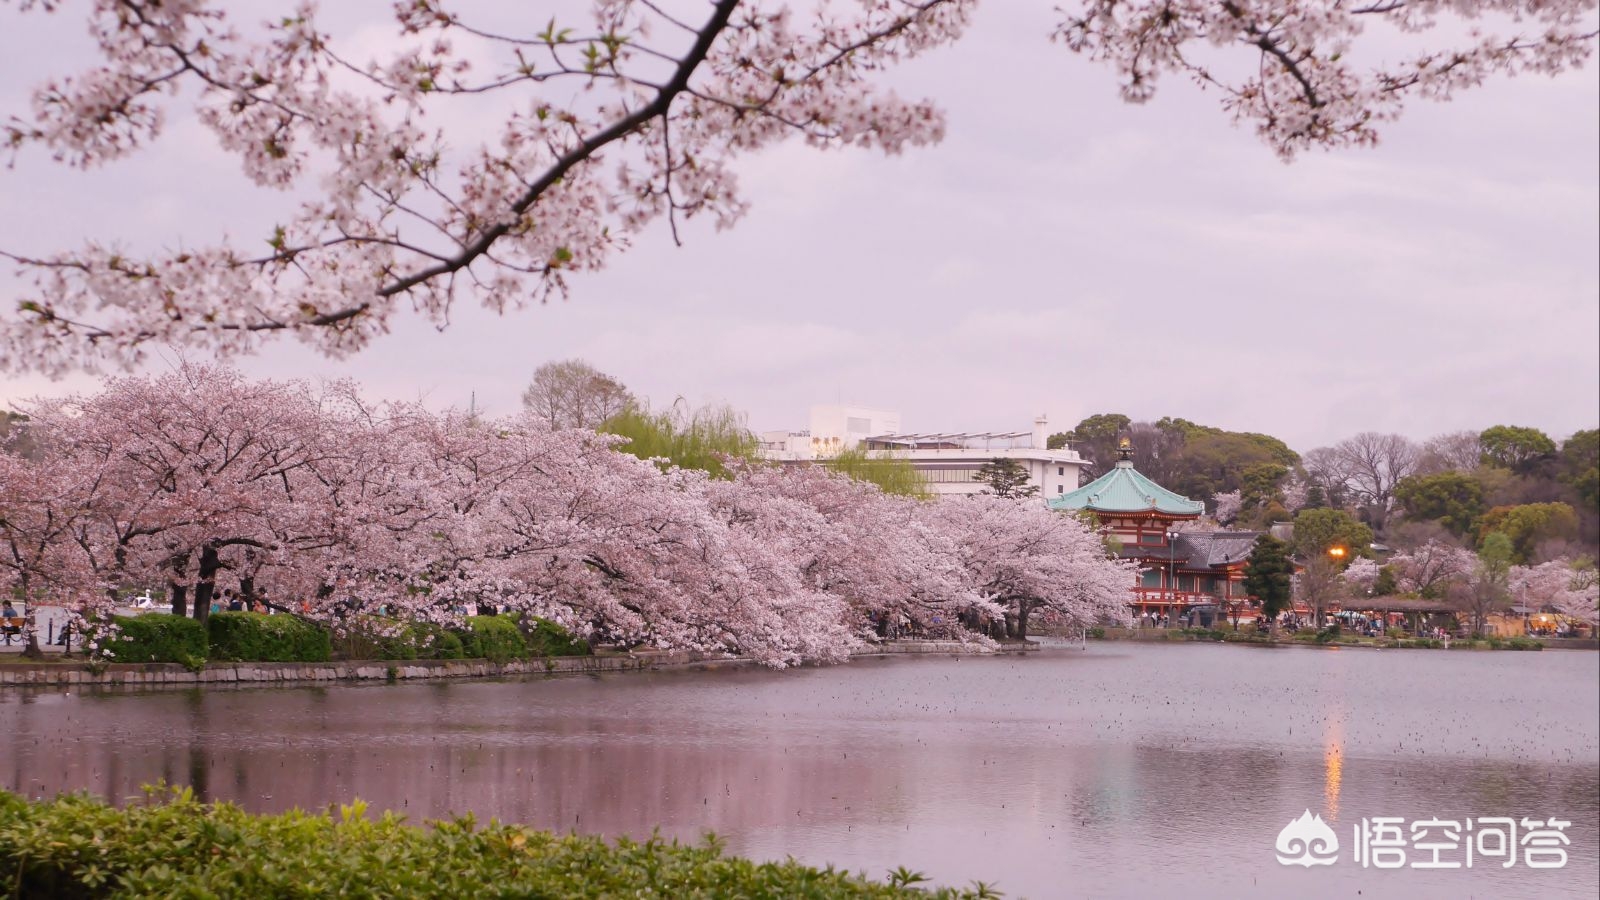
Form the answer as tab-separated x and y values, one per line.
1022	620
247	588
206	584
178	586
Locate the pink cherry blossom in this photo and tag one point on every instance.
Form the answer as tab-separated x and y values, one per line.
608	122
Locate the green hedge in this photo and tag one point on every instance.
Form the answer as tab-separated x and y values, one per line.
257	637
158	637
172	846
422	640
546	638
495	638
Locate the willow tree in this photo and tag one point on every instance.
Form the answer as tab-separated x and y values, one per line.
892	474
712	438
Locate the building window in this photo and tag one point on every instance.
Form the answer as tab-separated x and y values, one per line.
1061	489
1148	538
1152	578
959	475
1061	470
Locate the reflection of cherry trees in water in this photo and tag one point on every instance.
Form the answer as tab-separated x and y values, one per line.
1172	768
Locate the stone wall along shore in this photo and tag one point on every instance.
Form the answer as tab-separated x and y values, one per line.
60	674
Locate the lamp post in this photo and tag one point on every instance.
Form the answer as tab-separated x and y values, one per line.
1172	585
1336	555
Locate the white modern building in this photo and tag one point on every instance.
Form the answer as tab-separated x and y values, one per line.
948	461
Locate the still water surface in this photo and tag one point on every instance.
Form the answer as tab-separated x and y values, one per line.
1120	770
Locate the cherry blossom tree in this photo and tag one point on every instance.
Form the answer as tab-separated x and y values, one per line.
877	553
1361	575
1429	569
1558	585
602	123
1228	506
1025	558
1581	600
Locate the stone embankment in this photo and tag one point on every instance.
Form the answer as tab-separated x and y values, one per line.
62	674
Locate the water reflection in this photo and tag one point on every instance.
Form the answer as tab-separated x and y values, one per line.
1119	771
1333	763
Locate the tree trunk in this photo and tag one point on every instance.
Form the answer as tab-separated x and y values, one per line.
206	584
1022	620
32	651
247	587
177	586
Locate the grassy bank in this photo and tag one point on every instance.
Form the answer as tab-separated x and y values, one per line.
173	846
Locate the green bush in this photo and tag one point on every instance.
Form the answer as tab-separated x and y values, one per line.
441	643
158	637
172	846
1523	643
546	638
420	641
495	638
1096	633
257	637
383	638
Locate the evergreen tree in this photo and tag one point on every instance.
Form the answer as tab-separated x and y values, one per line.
1005	478
1268	576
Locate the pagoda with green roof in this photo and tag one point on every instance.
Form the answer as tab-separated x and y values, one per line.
1182	573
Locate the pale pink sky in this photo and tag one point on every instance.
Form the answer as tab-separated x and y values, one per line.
1060	252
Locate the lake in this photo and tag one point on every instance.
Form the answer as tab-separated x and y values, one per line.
1122	769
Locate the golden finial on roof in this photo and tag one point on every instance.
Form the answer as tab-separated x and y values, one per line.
1125	449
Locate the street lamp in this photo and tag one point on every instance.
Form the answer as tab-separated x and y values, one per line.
1172	585
1336	555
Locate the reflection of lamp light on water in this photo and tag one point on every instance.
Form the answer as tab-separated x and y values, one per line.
1333	766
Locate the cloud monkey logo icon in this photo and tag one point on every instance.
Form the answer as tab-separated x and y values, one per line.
1307	841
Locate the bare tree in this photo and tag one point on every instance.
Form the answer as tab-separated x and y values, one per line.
1456	451
1320	585
1489	589
573	394
1325	469
1372	464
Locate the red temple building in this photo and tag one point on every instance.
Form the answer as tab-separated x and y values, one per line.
1192	575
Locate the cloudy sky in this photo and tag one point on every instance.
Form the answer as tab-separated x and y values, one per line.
1061	253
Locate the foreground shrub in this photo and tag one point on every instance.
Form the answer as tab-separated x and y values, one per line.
172	846
158	637
495	638
257	637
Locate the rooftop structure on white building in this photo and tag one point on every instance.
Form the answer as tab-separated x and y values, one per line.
948	461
